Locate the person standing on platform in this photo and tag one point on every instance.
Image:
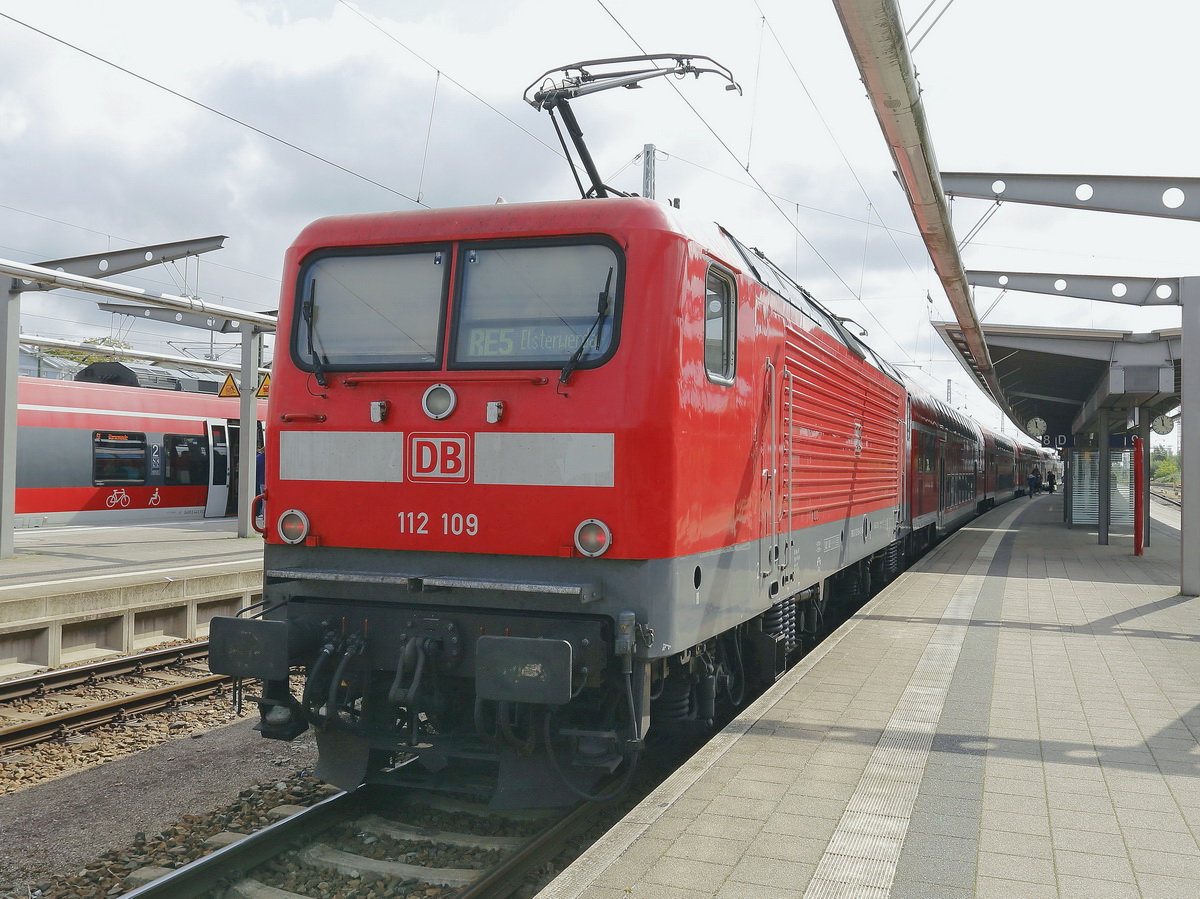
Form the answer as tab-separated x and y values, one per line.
1031	481
1051	480
260	479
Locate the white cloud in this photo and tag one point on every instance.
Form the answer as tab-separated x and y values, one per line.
95	158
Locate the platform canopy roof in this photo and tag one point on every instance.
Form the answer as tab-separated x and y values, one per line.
1067	376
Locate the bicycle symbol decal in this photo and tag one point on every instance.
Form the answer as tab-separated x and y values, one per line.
118	498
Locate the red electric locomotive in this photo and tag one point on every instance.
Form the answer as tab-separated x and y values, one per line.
544	474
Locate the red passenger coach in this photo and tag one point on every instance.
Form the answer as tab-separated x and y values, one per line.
545	473
92	453
1000	469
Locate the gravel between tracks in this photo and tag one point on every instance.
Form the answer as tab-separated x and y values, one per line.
58	826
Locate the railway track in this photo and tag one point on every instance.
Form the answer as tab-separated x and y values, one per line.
1167	495
351	842
92	673
165	689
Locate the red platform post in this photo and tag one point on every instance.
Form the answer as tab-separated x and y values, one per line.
1139	496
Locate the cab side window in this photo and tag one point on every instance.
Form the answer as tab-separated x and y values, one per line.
720	326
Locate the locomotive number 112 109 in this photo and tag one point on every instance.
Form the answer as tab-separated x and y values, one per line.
453	524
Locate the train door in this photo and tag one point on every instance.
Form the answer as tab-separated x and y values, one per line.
218	469
943	491
235	458
927	477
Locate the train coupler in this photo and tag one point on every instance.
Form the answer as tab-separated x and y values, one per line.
599	749
279	719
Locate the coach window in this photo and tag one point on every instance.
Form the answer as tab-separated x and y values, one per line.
720	333
187	459
118	458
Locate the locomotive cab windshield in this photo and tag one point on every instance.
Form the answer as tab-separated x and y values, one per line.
376	310
527	305
534	305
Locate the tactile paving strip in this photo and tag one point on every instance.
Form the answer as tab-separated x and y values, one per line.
863	853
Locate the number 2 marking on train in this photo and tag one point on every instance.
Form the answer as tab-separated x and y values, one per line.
414	523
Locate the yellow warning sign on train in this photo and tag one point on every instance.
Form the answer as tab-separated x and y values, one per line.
229	388
264	388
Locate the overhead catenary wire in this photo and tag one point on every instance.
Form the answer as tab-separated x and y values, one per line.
453	81
978	226
725	146
764	26
762	29
995	303
767	194
428	134
833	137
913	46
211	109
854	174
666	154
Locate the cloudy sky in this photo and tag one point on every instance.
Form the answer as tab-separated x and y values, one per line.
145	121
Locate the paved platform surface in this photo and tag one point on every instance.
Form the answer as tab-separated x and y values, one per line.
49	561
81	593
1017	716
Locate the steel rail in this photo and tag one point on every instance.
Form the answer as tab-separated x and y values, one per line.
1158	494
506	877
89	674
26	733
230	863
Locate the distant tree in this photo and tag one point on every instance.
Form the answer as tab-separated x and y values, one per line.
1166	469
83	357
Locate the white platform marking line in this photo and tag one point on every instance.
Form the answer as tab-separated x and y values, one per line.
864	851
169	574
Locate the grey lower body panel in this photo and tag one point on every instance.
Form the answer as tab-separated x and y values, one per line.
685	600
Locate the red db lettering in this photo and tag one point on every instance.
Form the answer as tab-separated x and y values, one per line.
439	457
425	457
451	459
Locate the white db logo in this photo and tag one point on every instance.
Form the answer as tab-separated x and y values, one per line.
439	457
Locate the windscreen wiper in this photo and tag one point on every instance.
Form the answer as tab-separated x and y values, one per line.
308	311
601	311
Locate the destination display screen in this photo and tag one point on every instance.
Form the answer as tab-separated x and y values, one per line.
528	341
536	304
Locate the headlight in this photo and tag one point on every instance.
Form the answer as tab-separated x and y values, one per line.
592	537
439	401
293	526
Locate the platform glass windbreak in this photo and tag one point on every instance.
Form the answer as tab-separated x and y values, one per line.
1085	487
